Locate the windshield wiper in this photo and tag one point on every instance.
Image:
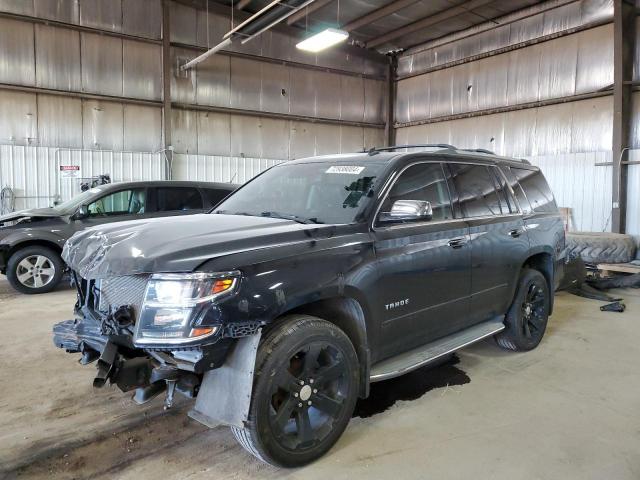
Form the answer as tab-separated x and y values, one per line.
286	216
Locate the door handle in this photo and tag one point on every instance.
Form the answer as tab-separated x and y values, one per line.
457	242
515	233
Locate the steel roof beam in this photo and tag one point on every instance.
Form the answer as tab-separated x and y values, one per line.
428	21
382	12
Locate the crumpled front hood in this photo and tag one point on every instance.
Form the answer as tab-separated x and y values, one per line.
173	244
32	213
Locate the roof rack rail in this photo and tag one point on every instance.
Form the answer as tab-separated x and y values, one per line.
373	151
478	150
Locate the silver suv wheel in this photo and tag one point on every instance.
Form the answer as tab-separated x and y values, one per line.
35	271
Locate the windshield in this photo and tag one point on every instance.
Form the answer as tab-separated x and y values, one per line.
318	192
75	202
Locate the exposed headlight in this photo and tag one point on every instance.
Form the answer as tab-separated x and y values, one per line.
175	304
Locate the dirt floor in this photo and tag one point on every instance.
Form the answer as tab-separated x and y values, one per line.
569	409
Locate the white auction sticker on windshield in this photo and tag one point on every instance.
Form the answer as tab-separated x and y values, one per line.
352	170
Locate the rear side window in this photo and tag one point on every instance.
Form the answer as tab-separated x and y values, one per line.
424	181
215	195
506	198
178	199
476	190
536	189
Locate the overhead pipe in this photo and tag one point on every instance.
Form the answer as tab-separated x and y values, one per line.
258	23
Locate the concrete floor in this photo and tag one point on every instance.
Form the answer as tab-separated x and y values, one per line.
569	409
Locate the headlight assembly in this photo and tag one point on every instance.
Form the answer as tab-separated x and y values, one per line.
175	304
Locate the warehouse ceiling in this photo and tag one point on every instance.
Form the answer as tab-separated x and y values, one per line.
391	25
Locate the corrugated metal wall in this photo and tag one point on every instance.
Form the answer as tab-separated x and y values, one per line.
278	80
508	89
34	172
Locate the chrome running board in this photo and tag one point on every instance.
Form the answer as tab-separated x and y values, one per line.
425	354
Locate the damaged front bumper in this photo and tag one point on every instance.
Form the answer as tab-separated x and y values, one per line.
103	332
147	372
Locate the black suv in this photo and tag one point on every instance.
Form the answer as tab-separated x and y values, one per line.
31	240
317	277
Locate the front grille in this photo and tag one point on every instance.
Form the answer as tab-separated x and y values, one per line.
118	291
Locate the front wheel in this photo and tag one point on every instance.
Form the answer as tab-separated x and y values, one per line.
304	392
34	269
526	320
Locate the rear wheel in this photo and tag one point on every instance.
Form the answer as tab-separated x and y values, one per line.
526	320
304	393
34	269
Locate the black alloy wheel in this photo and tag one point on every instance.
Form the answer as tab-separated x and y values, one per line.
305	389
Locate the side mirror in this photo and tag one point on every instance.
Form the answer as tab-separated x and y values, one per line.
82	212
408	211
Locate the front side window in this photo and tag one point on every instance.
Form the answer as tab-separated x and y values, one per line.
171	199
124	202
310	192
425	182
476	190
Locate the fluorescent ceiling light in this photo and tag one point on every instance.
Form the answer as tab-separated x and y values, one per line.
325	39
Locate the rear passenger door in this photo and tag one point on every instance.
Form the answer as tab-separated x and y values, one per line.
170	201
499	241
423	266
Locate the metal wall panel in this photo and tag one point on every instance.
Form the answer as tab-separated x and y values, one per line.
142	128
101	64
213	86
245	136
579	184
142	18
633	198
328	102
102	125
558	61
327	139
18	118
524	75
59	121
183	85
635	121
58	58
183	24
467	43
184	131
351	139
274	138
582	126
212	168
21	7
375	105
218	26
351	98
373	137
102	14
595	59
303	139
214	133
142	70
245	84
303	95
275	88
33	172
277	45
17	62
440	87
66	11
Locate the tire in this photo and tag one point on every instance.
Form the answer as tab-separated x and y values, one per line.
597	247
526	320
46	264
291	424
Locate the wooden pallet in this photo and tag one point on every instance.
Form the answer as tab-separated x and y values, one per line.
609	268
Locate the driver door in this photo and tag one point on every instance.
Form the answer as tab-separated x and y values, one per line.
424	278
118	206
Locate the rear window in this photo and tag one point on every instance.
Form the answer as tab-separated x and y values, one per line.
536	189
476	190
178	199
